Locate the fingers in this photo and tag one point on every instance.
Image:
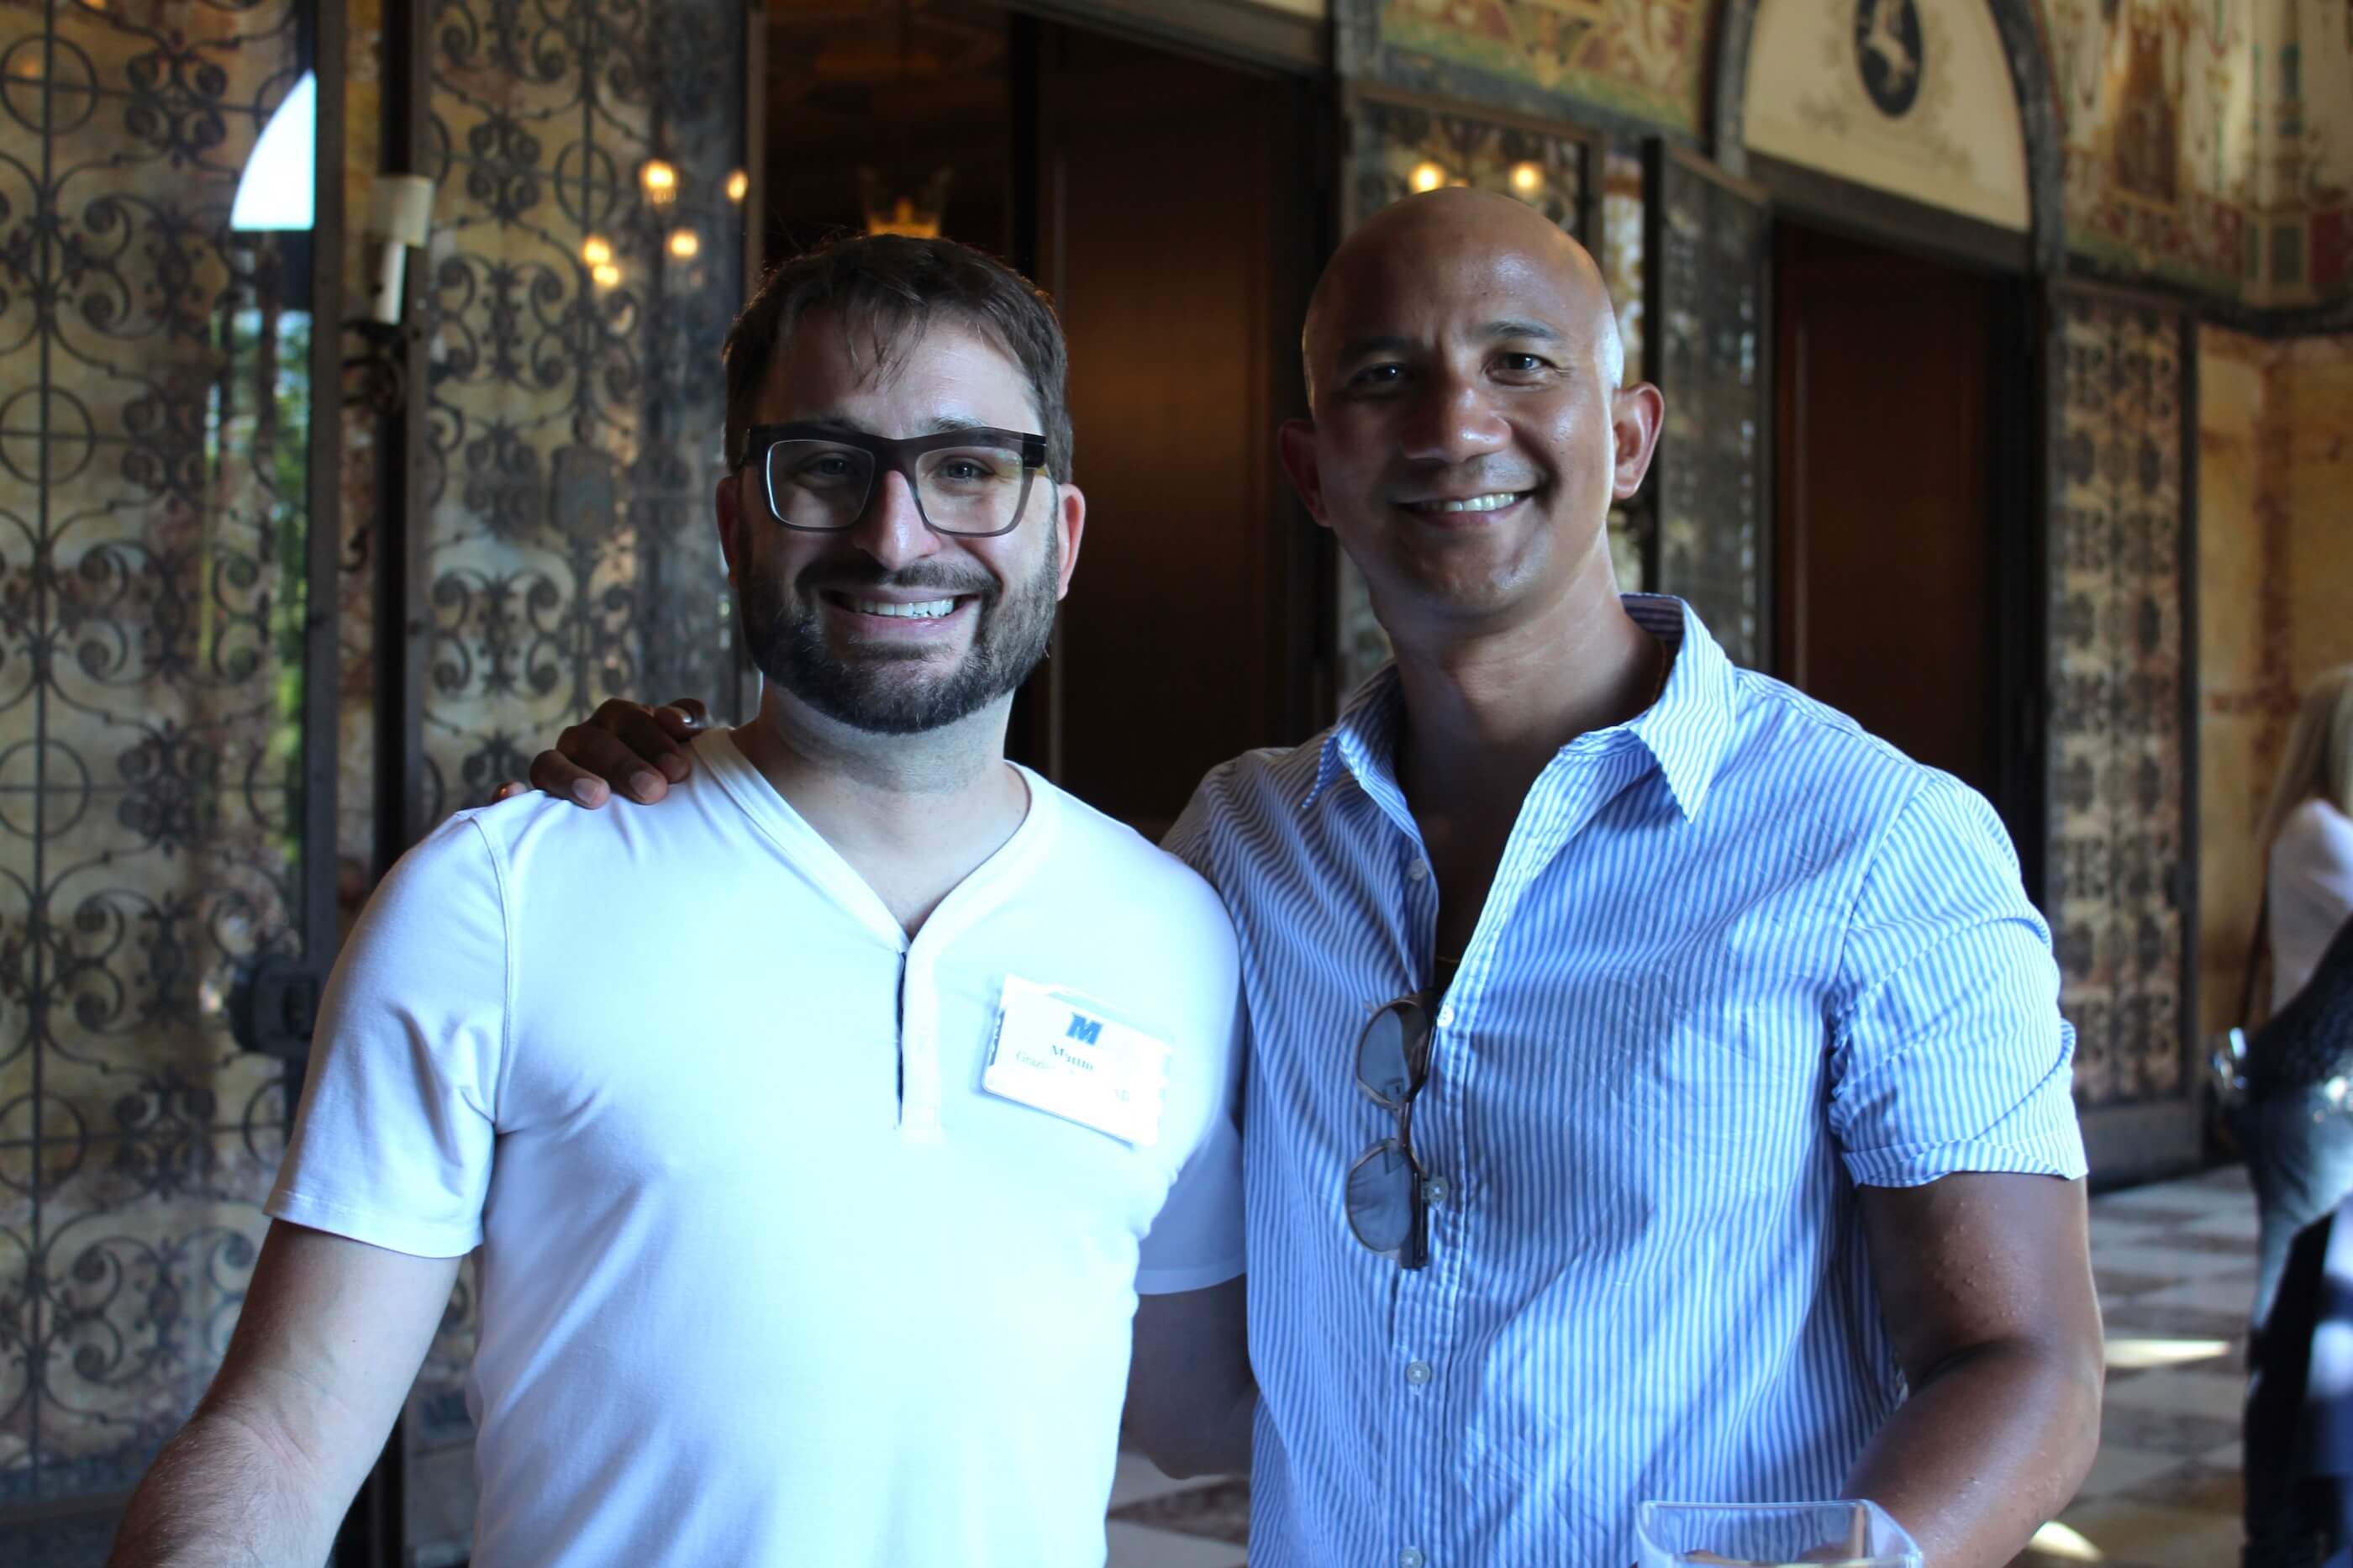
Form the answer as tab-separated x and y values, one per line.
557	776
637	759
690	710
645	745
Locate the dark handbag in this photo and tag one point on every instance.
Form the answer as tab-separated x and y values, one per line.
2310	1040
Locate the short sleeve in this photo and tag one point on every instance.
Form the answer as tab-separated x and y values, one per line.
1949	1054
1196	1241
393	1143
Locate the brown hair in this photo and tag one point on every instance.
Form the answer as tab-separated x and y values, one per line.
886	288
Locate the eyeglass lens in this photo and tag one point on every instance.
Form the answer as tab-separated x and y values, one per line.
978	489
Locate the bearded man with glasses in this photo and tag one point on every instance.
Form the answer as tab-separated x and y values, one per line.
820	1126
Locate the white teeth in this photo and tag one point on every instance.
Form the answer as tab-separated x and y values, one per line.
1476	503
930	610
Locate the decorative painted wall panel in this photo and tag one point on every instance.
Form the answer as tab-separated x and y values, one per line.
154	402
2275	557
2117	865
1641	59
2211	144
1911	97
1708	331
1397	148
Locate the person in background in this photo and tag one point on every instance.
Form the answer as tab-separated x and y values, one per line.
2295	1125
1657	1088
821	1125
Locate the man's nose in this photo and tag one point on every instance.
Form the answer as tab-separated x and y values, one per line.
1450	419
892	529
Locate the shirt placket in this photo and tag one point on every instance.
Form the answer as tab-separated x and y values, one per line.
1435	1407
1421	1358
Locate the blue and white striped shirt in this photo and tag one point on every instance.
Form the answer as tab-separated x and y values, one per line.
1738	958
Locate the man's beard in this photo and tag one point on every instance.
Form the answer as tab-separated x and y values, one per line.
875	691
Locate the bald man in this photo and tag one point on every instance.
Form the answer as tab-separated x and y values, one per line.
1658	1089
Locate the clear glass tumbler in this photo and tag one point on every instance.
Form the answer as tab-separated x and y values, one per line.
1781	1535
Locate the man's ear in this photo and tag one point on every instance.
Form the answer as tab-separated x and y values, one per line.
1296	442
727	503
1070	518
1636	416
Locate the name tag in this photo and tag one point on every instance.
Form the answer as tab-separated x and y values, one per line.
1055	1051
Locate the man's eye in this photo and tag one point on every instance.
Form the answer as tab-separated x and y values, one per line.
1377	375
1525	364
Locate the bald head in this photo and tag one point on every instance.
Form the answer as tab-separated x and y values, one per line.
1454	231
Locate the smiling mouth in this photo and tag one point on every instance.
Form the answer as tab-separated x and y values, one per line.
920	610
1495	500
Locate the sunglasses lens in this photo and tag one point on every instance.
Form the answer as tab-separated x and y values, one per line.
1381	1058
1380	1198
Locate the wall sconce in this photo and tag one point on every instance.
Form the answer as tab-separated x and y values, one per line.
685	244
660	181
739	186
1428	177
916	217
400	213
1527	179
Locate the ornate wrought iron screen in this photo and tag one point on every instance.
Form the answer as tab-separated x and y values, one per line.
1399	144
1707	340
585	265
2118	781
161	521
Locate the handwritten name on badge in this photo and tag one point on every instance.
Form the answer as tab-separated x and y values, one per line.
1057	1052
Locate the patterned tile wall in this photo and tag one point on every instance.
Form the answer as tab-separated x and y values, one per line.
2118	765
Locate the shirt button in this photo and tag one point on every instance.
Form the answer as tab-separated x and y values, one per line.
1435	1189
1446	1017
1416	871
1411	1557
1418	1373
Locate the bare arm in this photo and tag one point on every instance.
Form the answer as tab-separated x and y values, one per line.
1985	1282
1190	1398
330	1340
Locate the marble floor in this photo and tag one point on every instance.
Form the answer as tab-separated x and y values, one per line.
2176	1268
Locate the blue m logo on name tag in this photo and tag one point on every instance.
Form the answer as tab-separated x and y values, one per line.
1085	1030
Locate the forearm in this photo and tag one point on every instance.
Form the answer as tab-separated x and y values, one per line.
222	1495
1985	1450
1216	1442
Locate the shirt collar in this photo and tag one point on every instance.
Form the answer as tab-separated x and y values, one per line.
1686	731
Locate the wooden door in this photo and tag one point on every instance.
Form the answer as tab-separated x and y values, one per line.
1170	234
1885	495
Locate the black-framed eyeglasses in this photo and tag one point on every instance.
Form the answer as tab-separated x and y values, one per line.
1386	1206
974	482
